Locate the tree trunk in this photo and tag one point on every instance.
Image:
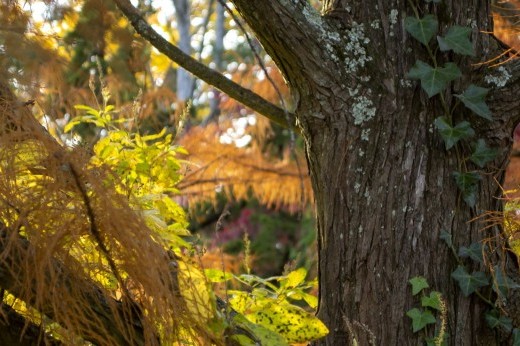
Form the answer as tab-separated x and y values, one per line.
184	79
383	182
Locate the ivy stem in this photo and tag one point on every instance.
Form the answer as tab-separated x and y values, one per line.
487	301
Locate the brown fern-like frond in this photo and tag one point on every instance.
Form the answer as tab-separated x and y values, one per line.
75	250
240	173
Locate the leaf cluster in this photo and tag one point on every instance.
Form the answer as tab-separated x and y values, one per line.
436	79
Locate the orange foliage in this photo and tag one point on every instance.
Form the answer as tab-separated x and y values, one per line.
241	172
506	25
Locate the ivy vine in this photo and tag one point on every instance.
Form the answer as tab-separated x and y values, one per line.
434	80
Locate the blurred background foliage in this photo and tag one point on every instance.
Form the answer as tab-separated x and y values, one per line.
56	52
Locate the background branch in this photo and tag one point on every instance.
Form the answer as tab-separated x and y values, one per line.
216	79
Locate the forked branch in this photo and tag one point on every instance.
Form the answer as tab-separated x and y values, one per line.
214	78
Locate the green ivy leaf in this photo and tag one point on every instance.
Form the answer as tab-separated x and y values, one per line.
483	154
502	283
446	236
433	301
468	185
420	319
451	135
516	337
434	80
457	39
494	320
418	284
469	283
473	98
474	251
422	29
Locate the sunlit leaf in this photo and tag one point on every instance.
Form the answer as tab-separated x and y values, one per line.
420	318
418	284
217	275
432	301
294	278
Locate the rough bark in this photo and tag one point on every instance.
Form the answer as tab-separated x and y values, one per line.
382	180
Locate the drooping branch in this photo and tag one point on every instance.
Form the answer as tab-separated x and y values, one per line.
11	274
216	79
16	330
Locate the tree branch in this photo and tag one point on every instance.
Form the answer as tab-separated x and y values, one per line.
286	28
216	79
16	330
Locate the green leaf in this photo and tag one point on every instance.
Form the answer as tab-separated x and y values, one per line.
294	278
473	98
433	301
502	283
420	319
451	135
494	320
293	323
434	80
483	154
468	186
311	300
263	336
457	39
446	236
474	251
469	283
217	275
516	337
422	29
418	284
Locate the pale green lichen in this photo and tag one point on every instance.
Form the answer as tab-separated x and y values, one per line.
500	79
364	134
356	53
393	20
357	186
362	109
393	16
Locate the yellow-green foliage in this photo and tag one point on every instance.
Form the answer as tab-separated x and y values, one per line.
512	225
270	304
111	218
